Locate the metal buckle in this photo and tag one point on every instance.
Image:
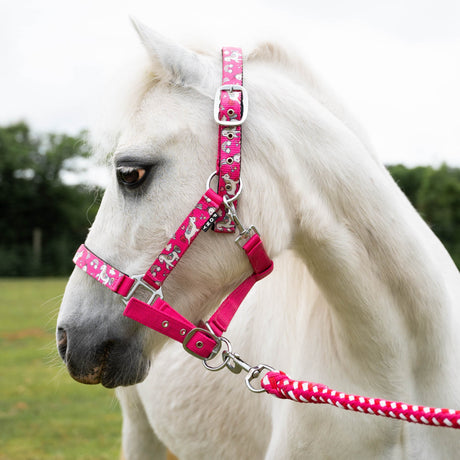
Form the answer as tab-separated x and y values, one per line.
207	332
140	283
244	105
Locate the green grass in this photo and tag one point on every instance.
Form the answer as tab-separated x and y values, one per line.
44	414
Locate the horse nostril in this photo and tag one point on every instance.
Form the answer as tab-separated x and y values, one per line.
61	338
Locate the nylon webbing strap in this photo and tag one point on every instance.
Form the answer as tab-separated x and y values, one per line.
101	271
262	266
229	148
200	218
161	317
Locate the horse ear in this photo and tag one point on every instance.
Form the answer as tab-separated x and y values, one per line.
183	67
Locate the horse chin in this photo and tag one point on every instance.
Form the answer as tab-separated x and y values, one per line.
111	376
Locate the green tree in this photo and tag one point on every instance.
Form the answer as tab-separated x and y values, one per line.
43	219
409	180
435	193
438	201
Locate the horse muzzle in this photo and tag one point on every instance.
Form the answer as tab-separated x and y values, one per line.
111	362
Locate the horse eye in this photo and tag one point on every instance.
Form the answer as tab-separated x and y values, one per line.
131	176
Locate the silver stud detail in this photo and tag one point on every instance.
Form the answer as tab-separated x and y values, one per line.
165	323
199	344
230	112
182	332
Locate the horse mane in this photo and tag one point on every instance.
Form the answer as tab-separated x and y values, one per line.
125	97
287	60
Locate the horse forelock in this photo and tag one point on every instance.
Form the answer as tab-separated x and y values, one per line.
121	100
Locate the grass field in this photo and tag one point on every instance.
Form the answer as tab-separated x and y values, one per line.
44	414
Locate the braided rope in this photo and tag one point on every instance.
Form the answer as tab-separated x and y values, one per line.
280	385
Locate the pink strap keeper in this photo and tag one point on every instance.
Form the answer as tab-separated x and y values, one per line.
258	257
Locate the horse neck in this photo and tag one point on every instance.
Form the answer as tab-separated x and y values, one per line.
370	253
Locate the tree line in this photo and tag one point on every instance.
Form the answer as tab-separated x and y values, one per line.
435	193
44	218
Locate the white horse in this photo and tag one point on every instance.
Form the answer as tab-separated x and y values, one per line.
364	298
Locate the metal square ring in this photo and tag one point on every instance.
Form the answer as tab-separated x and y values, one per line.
140	283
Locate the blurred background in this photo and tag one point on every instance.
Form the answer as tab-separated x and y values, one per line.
395	65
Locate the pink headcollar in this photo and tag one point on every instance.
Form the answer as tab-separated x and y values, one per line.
218	209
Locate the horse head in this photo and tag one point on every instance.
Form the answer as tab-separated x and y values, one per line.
163	156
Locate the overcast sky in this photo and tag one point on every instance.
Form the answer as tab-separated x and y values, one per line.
396	64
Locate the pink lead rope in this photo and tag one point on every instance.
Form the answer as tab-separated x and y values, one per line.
281	386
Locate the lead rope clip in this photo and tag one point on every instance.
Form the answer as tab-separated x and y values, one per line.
245	233
233	362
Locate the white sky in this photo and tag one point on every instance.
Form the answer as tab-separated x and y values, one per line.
395	64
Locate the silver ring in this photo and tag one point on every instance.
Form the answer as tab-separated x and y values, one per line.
224	361
233	198
210	178
226	197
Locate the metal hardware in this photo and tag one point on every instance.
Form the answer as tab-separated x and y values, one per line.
207	332
231	211
210	178
227	200
140	283
232	361
225	359
245	233
165	323
235	364
244	105
255	373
